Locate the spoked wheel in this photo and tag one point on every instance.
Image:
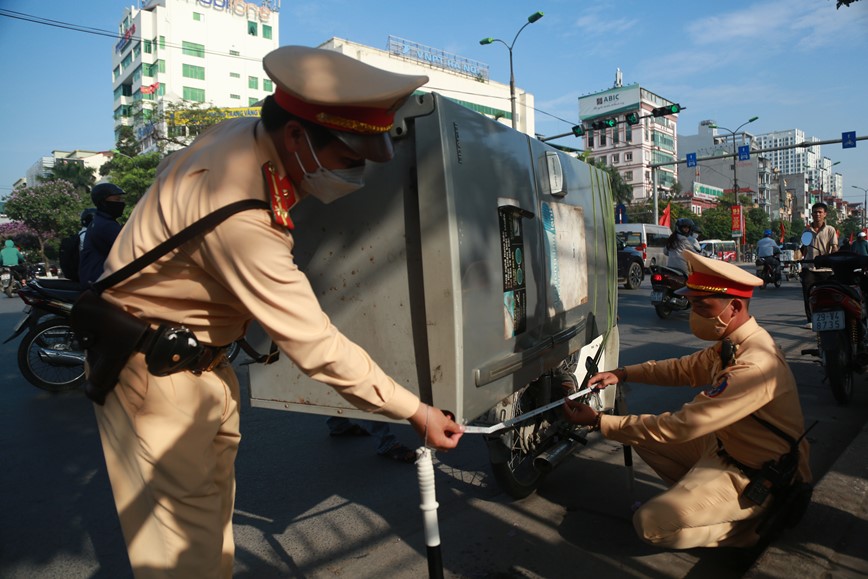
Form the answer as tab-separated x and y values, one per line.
50	357
662	310
839	369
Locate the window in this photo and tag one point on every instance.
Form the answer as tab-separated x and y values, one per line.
128	59
116	73
235	96
266	31
602	138
590	140
267	85
616	135
616	158
148	47
234	53
628	134
234	75
252	101
162	42
252	28
194	94
252	82
628	157
197	17
628	175
137	50
193	49
192	71
161	65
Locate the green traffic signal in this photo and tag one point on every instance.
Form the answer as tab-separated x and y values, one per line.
667	110
610	122
578	130
632	118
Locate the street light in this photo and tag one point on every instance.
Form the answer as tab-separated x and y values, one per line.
530	20
734	154
865	205
734	173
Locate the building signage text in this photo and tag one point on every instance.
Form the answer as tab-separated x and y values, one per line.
250	10
609	102
708	192
438	58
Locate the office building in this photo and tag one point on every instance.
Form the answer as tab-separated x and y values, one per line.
200	51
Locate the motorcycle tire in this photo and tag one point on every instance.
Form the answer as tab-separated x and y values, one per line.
663	311
777	283
9	291
50	358
839	371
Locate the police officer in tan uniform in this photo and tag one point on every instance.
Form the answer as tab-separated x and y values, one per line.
170	442
710	449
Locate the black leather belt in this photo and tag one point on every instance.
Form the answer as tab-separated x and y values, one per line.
748	471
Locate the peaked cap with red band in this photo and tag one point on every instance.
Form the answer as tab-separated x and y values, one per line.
355	101
713	276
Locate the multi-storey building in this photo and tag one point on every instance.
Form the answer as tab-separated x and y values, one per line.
631	148
203	51
808	159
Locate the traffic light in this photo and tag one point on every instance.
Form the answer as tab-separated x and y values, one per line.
667	110
632	118
603	124
578	130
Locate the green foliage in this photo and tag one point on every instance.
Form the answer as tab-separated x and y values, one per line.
184	121
74	171
133	175
716	223
755	221
51	210
126	142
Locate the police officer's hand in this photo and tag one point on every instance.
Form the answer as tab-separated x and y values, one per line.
579	413
437	429
602	379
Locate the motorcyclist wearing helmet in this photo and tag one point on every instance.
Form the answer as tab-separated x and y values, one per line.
682	239
767	250
86	219
102	231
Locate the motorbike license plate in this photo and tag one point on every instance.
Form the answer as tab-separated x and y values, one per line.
825	321
656	296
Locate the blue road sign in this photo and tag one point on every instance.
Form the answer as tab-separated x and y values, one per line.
848	140
744	153
691	159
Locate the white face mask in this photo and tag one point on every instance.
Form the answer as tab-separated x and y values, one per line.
328	185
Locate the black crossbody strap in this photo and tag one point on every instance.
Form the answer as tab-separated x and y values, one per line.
202	226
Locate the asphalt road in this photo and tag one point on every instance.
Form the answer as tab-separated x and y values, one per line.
315	507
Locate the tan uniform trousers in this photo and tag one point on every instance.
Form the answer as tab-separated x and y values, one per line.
702	507
170	445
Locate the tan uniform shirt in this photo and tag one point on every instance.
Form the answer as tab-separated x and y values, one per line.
759	381
825	242
241	270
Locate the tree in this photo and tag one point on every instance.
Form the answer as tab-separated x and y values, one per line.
72	170
621	192
132	174
755	221
126	142
51	210
184	121
716	223
23	236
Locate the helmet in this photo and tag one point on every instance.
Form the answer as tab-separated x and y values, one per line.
101	191
87	216
767	233
685	222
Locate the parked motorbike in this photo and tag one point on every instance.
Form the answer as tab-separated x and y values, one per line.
664	282
840	319
10	282
768	269
50	355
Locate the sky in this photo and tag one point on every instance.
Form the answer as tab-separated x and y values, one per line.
793	63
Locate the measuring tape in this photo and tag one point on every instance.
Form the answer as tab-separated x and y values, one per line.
469	429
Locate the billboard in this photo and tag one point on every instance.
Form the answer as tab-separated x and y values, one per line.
616	100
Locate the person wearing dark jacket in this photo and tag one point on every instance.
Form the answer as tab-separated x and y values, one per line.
102	231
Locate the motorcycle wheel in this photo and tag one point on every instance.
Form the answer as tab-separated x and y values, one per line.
778	283
50	358
839	371
663	311
9	291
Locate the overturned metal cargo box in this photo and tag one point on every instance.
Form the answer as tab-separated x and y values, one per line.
476	260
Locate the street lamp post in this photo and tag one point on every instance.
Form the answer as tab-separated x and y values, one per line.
530	20
734	172
865	205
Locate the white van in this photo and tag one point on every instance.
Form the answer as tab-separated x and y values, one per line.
718	249
648	238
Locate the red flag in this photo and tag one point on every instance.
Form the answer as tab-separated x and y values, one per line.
851	238
664	219
783	232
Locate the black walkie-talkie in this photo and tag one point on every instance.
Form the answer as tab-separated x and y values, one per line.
727	351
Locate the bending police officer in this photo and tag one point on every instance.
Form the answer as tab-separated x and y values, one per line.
170	442
710	450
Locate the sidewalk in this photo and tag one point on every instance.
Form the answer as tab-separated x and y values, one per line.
832	539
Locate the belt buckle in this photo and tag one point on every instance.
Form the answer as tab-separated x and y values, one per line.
216	360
